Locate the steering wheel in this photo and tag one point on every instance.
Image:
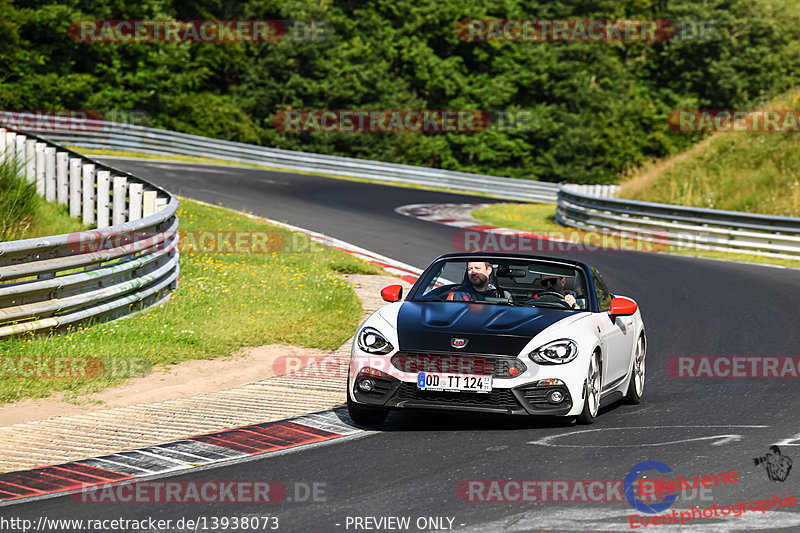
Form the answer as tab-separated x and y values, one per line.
554	297
442	292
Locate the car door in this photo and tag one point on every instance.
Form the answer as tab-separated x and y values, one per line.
616	335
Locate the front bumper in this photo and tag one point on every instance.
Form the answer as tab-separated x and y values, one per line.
527	399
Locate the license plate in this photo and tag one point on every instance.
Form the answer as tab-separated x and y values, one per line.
454	382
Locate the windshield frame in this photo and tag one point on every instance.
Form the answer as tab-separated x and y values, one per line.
416	292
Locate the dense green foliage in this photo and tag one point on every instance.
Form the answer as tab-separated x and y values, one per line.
600	108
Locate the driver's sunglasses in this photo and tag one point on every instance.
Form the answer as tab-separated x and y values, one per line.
549	281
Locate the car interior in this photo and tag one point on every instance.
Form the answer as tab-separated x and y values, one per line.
520	281
524	281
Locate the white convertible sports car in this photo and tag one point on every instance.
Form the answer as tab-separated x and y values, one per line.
499	333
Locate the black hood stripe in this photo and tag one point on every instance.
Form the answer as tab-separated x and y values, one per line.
488	329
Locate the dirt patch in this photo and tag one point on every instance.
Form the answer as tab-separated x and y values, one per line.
178	381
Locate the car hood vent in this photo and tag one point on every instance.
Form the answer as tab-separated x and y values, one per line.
488	329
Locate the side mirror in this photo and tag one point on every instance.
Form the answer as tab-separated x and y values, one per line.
393	293
621	306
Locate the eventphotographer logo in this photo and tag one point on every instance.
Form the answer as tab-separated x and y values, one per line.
665	491
630	484
777	465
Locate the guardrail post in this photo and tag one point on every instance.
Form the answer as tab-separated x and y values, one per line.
148	203
75	177
103	198
120	195
30	160
50	173
135	206
62	170
11	140
19	152
88	194
2	144
41	163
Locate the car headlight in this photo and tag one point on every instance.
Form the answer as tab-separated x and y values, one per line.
555	353
371	341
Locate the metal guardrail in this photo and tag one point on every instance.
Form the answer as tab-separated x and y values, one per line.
129	262
691	227
102	134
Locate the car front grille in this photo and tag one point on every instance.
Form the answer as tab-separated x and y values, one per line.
479	365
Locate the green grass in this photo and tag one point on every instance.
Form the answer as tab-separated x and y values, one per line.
224	301
539	218
23	214
738	171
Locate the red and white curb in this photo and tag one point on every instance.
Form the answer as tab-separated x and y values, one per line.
185	454
458	216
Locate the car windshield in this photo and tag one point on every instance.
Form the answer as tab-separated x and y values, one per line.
494	281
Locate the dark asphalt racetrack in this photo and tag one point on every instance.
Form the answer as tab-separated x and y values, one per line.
413	467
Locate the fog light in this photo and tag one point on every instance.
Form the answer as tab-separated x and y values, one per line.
366	385
513	371
555	396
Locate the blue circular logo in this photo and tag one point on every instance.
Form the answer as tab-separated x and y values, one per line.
630	481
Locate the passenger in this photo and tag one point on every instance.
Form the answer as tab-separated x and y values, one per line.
556	284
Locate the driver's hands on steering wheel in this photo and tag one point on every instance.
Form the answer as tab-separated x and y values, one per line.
570	299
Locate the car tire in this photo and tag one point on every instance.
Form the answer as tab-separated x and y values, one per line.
636	383
594	379
366	415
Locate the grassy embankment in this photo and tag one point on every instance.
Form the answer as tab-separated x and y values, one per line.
739	171
224	301
23	214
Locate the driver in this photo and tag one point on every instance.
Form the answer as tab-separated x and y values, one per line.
556	284
479	288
